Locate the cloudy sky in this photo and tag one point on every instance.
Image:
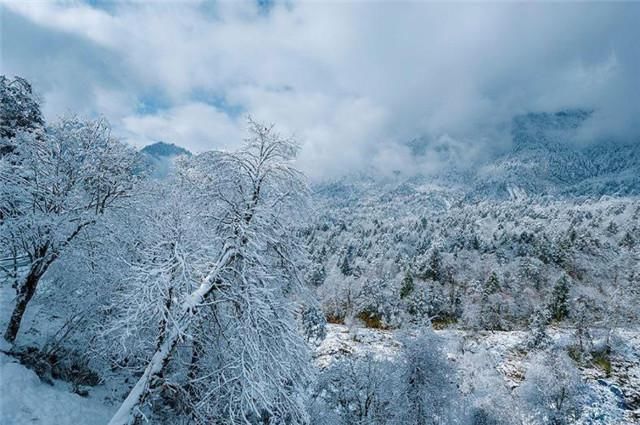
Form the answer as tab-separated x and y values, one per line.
352	80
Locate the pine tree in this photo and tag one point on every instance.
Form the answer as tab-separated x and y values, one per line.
492	285
538	337
559	297
491	310
435	265
407	285
317	274
345	266
345	262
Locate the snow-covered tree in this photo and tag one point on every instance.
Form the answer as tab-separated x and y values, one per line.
248	362
490	401
407	285
360	390
157	245
538	336
492	308
558	304
19	112
54	186
313	322
583	316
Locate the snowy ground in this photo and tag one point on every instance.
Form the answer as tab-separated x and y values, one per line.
612	400
615	399
27	400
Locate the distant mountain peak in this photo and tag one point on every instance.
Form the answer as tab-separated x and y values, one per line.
163	149
159	158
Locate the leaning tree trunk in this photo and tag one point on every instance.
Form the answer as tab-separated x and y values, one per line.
25	293
129	408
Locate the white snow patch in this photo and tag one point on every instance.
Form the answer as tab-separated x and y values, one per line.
25	399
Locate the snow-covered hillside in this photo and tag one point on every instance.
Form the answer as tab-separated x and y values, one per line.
612	397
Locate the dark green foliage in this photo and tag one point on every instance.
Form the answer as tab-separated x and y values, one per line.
434	269
443	322
164	149
317	274
407	285
345	263
492	308
492	285
602	360
538	337
19	107
345	266
481	416
559	297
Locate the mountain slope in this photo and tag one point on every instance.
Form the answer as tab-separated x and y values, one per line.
546	160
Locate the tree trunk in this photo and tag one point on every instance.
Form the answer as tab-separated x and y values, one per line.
128	411
45	255
27	289
126	414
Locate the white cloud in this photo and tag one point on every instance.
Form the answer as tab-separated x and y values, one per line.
349	79
72	17
336	134
198	126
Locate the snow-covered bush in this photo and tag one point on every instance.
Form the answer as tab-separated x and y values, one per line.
359	390
426	392
552	388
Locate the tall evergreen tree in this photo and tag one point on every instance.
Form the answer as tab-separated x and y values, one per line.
345	262
559	298
492	285
407	285
538	337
